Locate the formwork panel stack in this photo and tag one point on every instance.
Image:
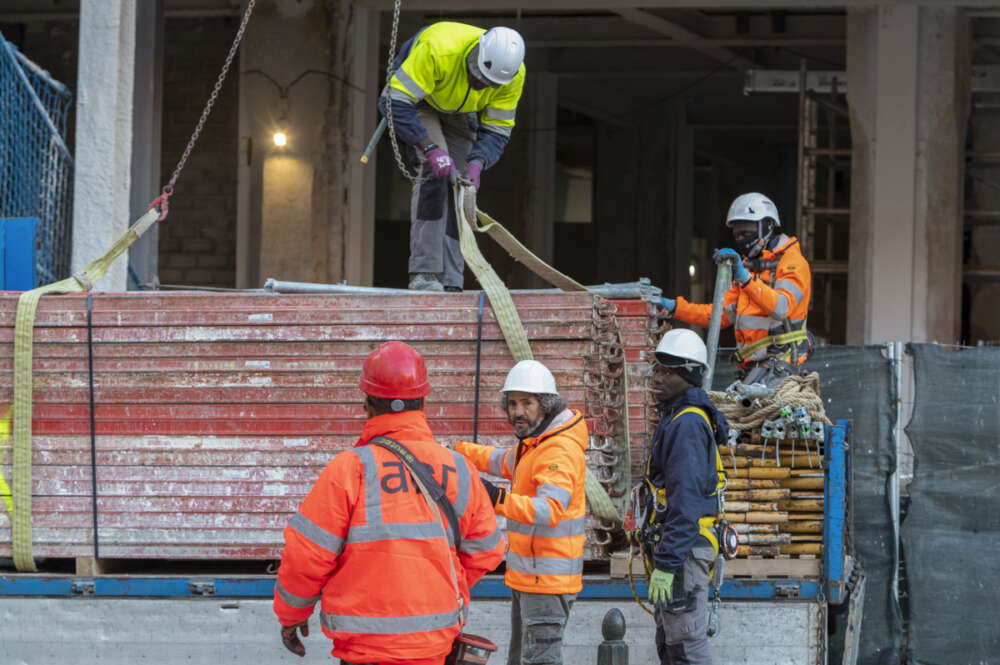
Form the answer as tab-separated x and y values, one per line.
214	413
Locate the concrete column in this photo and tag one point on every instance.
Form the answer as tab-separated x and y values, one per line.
654	232
147	103
908	95
616	184
103	134
541	98
296	205
677	275
364	71
944	100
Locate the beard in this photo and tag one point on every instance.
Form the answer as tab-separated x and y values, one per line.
522	426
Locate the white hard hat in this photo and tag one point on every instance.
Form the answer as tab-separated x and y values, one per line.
530	376
501	52
752	207
683	344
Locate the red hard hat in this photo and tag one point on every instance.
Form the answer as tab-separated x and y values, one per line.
394	371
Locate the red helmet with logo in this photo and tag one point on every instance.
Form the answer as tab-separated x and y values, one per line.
394	371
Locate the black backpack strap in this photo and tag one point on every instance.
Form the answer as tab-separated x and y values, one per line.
423	471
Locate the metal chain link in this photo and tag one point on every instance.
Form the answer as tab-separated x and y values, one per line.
821	633
412	177
168	189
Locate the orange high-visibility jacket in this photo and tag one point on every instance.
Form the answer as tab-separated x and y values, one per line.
775	301
365	543
546	506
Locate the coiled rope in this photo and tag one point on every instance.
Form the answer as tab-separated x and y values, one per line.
792	393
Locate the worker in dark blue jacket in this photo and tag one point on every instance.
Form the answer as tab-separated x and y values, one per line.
683	481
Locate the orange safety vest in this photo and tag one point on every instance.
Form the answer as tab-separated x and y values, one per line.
546	507
774	303
366	544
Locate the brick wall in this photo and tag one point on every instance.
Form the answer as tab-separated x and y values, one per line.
198	239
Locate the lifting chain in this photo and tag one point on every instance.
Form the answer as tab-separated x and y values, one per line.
412	177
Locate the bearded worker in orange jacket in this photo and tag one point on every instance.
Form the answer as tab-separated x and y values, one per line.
768	301
545	509
366	544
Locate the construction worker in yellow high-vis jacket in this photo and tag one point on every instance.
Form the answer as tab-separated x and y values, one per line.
453	97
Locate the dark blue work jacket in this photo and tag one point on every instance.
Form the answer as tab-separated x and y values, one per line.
683	463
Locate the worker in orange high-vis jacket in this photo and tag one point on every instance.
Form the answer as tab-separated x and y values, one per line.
545	509
366	544
769	298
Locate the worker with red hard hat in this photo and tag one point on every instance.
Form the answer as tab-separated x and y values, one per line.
366	544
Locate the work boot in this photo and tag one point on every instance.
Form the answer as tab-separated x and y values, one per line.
425	281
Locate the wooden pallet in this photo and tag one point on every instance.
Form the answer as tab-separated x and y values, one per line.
773	568
619	566
735	569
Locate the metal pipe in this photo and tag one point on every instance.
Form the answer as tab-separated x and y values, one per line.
376	135
981	273
641	289
896	358
277	286
42	73
820	210
723	278
828	104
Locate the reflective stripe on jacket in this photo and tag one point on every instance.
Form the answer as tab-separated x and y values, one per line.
367	545
546	507
770	304
435	71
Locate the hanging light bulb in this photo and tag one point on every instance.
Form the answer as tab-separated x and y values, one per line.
280	137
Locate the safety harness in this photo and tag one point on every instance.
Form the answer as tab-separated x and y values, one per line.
791	338
658	495
643	526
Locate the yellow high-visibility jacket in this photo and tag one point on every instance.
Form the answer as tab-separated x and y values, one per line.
546	507
434	71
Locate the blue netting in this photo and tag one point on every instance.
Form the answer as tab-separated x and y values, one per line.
36	169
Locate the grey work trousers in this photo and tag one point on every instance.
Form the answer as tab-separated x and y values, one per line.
537	622
682	636
434	246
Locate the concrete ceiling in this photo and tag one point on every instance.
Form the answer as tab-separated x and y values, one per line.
611	64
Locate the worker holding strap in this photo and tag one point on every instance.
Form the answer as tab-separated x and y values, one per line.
769	298
453	96
545	509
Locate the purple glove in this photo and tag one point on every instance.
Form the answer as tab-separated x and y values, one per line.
442	165
475	170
